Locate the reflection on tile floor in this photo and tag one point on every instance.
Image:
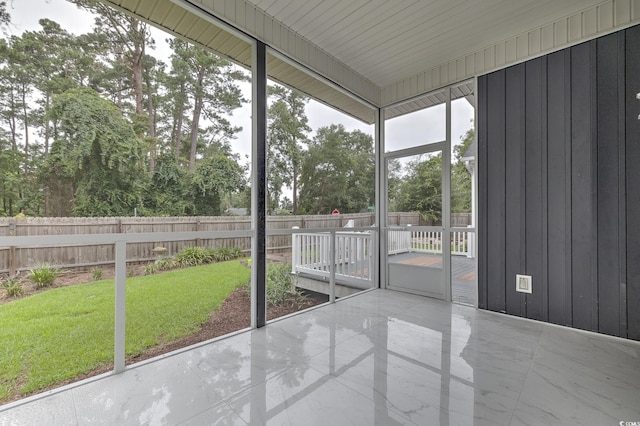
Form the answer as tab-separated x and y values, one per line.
378	358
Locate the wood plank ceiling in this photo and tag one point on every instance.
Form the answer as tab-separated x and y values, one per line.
387	41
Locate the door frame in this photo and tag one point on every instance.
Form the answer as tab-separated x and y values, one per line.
441	147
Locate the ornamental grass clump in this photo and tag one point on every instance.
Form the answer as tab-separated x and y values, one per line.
13	287
280	286
43	275
194	256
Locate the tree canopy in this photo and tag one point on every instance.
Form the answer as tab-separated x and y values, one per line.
85	119
417	184
338	172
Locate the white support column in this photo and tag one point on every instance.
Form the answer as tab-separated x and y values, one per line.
446	201
295	250
120	300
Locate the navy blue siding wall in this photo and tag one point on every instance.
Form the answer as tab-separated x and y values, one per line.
559	186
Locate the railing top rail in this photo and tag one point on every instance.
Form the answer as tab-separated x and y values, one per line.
57	240
319	230
342	233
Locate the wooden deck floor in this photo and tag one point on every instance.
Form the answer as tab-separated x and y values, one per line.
463	273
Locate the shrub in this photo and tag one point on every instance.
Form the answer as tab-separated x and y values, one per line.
162	264
165	263
97	274
43	275
280	284
150	268
13	288
194	256
223	254
236	252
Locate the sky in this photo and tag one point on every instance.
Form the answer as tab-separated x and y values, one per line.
410	130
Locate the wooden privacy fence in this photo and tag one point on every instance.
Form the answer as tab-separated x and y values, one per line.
13	259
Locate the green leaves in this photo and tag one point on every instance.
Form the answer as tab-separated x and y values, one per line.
100	152
338	172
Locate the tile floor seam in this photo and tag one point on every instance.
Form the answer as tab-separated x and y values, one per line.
236	413
524	381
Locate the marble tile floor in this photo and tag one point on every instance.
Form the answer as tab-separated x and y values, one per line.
378	358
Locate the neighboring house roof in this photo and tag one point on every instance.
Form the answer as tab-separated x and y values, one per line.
469	154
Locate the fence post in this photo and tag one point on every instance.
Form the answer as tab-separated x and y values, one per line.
12	251
198	230
12	261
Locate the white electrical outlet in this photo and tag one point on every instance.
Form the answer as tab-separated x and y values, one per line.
523	283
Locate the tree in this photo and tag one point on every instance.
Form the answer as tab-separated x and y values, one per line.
209	82
181	111
10	176
338	172
129	34
169	193
99	153
287	134
215	176
5	17
460	177
421	188
418	186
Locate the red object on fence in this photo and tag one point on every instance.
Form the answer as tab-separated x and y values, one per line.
335	211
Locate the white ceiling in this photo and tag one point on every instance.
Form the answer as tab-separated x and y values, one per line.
387	41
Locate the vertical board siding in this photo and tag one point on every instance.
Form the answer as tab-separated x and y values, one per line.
514	221
496	182
632	155
559	187
608	76
582	237
535	141
483	205
558	120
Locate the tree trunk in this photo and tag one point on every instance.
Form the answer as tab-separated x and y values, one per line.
294	206
138	53
195	124
47	127
194	133
25	119
152	126
178	140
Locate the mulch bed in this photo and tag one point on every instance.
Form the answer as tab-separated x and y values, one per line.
233	315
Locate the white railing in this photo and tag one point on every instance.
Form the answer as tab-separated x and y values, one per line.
353	260
353	257
401	241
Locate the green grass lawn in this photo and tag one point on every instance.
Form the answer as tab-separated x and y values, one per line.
61	333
